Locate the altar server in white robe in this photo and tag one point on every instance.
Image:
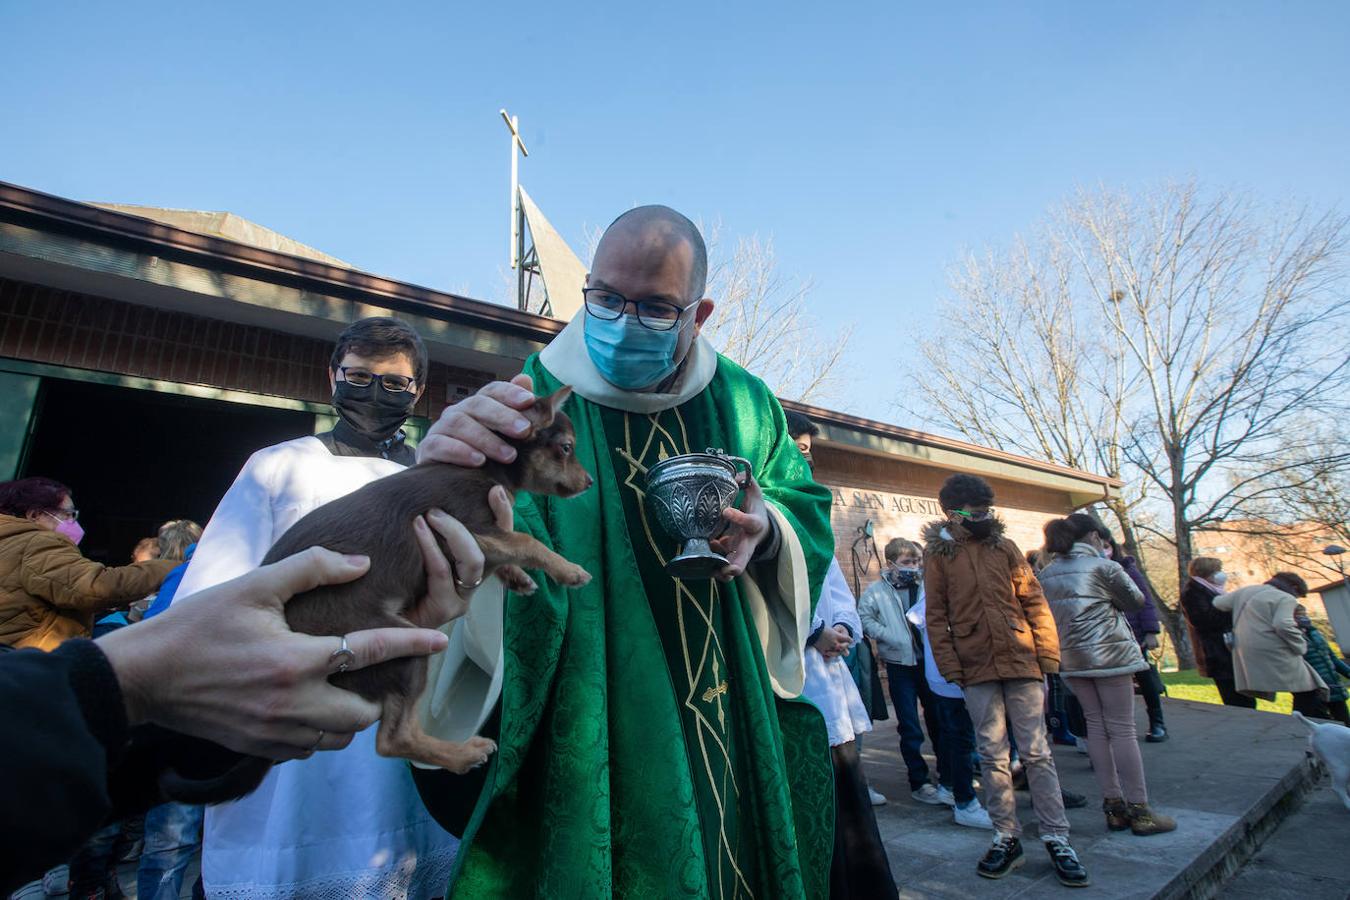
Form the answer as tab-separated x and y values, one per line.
347	823
859	867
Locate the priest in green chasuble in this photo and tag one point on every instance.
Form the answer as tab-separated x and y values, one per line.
652	739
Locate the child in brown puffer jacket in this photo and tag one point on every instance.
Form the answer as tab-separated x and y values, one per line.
991	633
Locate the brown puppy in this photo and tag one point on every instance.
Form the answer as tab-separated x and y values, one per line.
376	520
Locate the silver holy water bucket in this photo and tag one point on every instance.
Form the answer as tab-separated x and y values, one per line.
687	495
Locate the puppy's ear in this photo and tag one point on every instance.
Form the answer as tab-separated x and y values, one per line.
558	398
542	413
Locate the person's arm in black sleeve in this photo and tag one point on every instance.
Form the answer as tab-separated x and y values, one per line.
65	725
72	762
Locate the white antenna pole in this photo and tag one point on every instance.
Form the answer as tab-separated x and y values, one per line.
513	123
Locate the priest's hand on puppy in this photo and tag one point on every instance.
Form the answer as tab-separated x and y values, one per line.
466	434
223	664
748	531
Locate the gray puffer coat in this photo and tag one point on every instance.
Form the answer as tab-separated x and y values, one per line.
1089	596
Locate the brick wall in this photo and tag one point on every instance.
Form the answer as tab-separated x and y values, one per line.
62	328
900	497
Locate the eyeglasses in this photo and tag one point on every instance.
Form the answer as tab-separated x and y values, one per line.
64	515
658	315
394	384
971	517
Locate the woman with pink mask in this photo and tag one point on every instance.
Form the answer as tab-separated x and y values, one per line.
48	591
1211	628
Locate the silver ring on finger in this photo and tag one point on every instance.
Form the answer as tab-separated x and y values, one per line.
342	656
319	741
465	586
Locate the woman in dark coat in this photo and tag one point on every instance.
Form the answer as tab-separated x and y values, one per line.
1211	627
1146	626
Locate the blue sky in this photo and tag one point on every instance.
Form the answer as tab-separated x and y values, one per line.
873	142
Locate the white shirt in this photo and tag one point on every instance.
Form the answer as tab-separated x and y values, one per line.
829	684
941	686
341	824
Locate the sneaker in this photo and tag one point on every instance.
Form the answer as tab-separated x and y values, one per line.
946	796
1067	867
30	891
1004	855
1072	800
972	815
1157	733
56	882
1081	744
877	798
928	794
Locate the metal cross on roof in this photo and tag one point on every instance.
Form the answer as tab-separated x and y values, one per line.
513	123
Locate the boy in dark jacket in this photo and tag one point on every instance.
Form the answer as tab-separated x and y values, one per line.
992	634
1327	664
1146	625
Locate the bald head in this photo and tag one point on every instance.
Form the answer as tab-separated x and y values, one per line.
660	235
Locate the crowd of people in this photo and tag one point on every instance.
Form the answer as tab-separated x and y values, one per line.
651	730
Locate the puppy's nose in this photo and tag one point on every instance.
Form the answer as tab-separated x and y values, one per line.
589	480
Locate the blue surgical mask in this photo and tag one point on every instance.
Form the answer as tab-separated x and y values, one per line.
628	354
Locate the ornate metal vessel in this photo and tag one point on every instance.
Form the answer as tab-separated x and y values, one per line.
687	495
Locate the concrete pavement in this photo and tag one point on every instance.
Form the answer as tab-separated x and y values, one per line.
1229	776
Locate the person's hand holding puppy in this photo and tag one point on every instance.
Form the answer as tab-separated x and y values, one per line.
224	666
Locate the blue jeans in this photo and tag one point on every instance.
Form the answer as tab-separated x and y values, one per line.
173	832
909	688
958	746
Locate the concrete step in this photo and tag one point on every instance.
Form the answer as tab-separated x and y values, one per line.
1229	776
1304	859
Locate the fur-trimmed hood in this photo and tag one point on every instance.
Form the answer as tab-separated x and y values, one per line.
987	618
941	537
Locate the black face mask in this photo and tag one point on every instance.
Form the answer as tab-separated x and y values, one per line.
902	578
371	410
979	530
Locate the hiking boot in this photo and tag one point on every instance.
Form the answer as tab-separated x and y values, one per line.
972	815
1157	733
1068	869
928	794
1004	855
1117	817
1144	821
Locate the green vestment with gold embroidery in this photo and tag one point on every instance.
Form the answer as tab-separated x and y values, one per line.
642	749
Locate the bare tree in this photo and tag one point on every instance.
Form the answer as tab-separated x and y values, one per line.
1225	321
1303	506
762	319
1020	364
1173	341
762	322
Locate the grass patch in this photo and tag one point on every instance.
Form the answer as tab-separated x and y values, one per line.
1191	685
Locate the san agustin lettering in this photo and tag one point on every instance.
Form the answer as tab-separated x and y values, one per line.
900	503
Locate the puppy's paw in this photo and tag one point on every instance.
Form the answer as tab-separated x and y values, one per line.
473	753
572	575
515	579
